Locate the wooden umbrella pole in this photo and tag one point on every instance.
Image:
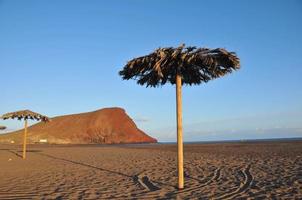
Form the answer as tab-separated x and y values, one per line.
179	133
24	139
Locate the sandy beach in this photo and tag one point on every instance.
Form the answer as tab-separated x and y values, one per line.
262	170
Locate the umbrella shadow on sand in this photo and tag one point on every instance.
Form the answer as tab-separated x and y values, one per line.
31	151
138	179
16	152
12	151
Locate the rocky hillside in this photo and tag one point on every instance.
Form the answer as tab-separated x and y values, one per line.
105	126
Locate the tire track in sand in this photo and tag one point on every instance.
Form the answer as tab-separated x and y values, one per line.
247	182
217	174
202	183
215	177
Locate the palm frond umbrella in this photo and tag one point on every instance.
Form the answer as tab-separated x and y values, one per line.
180	66
25	114
2	127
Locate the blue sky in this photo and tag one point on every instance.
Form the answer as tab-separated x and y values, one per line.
63	57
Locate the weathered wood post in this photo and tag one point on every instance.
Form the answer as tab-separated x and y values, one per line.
179	133
24	139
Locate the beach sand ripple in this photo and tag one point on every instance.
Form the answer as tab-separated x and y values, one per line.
251	170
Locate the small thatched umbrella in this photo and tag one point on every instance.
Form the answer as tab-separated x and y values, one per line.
180	66
2	127
25	114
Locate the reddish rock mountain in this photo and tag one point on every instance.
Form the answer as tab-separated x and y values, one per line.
105	126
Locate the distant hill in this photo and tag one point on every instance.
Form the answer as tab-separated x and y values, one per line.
105	126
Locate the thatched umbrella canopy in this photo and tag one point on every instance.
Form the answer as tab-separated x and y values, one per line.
194	65
2	127
25	114
181	65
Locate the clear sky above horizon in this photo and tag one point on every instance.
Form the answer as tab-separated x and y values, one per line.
63	57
